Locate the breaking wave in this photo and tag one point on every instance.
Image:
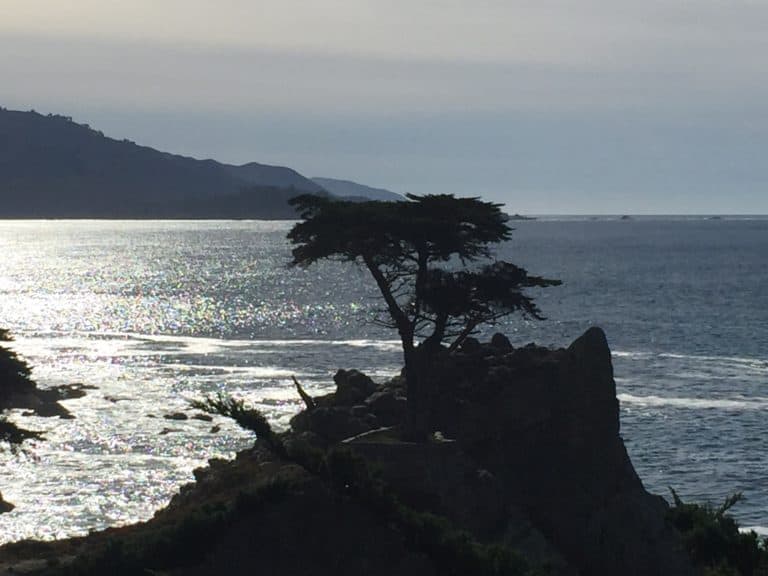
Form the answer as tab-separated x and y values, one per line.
695	403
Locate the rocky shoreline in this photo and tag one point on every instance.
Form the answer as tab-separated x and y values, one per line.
526	466
19	392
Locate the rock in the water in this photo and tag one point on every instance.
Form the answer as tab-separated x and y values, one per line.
176	416
5	506
72	391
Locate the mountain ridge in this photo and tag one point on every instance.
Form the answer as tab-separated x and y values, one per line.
54	167
349	189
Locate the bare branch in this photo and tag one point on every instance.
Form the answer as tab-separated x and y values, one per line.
309	402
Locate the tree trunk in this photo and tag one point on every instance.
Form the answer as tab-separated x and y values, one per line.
418	379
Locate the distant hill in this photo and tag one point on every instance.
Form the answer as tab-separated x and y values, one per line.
349	189
264	175
52	167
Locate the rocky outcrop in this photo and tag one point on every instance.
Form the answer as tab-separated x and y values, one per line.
349	411
18	390
546	423
541	428
5	506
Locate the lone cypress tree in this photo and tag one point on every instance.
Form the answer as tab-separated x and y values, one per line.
425	256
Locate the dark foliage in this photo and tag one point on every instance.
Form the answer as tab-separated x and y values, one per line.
452	551
714	542
248	418
412	250
182	544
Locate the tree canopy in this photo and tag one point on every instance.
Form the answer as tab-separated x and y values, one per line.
411	249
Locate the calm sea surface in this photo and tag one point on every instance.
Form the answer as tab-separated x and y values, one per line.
155	314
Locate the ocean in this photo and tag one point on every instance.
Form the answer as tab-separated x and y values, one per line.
154	314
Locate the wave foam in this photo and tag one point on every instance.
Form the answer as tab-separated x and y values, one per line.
125	343
759	530
750	362
756	403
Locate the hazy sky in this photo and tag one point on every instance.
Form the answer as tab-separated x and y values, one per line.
595	106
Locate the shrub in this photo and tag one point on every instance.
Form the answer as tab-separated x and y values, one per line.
713	540
451	550
247	418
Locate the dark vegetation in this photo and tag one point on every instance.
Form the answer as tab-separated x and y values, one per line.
452	551
248	418
343	478
419	253
713	539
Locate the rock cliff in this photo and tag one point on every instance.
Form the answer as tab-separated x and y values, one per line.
537	458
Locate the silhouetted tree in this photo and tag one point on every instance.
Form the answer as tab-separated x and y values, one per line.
419	254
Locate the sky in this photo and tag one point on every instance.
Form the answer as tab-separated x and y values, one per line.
551	107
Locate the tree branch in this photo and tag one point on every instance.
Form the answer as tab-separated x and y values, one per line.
400	318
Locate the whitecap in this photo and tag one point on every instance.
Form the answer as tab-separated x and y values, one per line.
749	362
628	354
217	343
252	371
759	530
755	403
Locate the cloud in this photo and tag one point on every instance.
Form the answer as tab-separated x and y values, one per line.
551	31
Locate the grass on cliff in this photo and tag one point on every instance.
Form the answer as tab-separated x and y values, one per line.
451	550
193	539
182	544
714	541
